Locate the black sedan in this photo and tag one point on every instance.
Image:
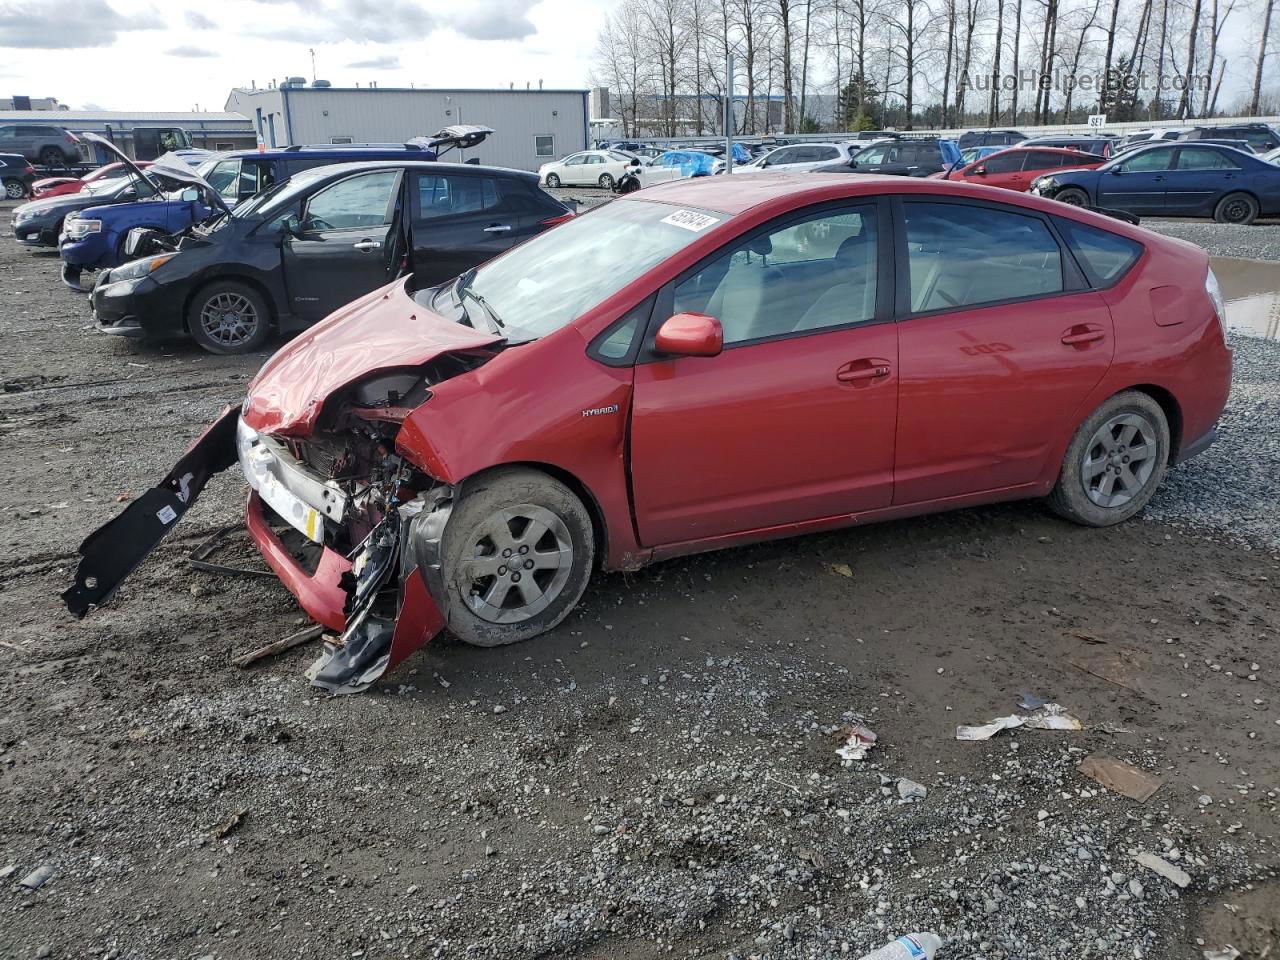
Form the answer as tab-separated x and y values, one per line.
293	254
16	175
1173	179
39	222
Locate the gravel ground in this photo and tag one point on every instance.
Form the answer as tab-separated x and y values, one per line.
1257	242
659	774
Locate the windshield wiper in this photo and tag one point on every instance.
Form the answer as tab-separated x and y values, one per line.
462	290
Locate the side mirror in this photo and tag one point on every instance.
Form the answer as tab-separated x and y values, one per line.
190	195
1114	171
980	171
690	335
129	193
292	225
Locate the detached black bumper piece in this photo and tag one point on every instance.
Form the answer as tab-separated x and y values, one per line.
1197	446
114	550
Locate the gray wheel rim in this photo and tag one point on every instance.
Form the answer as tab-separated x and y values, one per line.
1120	459
518	563
606	181
1236	210
553	181
1073	198
229	319
14	191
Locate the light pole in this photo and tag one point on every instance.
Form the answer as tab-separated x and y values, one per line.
728	114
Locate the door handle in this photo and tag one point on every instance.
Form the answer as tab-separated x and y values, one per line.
1083	336
367	245
863	370
498	228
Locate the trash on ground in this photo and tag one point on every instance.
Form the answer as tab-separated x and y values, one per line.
910	790
859	740
1051	716
1120	777
1029	701
230	823
1166	869
37	878
913	946
1121	667
1226	953
843	569
279	646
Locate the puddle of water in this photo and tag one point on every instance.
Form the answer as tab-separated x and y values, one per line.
1251	289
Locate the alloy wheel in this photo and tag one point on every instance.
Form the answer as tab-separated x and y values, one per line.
229	319
518	563
13	190
1120	459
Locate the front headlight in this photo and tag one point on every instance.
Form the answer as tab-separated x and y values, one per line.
140	268
79	228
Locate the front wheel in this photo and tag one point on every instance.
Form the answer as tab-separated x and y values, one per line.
606	182
1115	462
14	190
553	181
1072	195
228	317
516	556
1236	208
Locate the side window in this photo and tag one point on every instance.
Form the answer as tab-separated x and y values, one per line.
576	159
817	273
367	200
1105	256
225	178
1204	158
1042	160
451	196
872	155
616	346
1149	161
827	153
961	255
1004	163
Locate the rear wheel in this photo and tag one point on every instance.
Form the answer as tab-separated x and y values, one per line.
517	555
1072	195
1236	208
553	181
606	181
1115	462
53	157
229	317
14	189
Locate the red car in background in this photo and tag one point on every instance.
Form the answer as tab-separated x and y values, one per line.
1015	168
58	186
700	364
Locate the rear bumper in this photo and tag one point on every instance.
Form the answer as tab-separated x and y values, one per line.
319	594
1197	446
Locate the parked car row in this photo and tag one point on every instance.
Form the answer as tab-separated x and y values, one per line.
704	363
16	176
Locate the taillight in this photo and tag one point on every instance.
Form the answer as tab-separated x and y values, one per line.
1215	297
72	140
552	221
30	170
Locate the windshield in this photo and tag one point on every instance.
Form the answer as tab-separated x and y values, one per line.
551	280
117	185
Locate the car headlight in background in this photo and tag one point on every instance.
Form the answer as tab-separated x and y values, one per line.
78	228
140	268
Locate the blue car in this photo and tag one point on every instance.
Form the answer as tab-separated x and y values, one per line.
691	163
1173	179
95	238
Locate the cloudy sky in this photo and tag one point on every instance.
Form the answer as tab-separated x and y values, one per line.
174	54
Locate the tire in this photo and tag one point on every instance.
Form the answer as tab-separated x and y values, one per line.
630	185
1072	195
14	189
1091	489
553	181
491	521
53	157
1238	208
228	317
605	181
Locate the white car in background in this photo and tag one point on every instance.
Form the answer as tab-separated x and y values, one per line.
798	157
598	168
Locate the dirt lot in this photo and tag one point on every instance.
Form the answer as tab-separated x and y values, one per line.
659	775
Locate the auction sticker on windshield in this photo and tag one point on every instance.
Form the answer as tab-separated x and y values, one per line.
691	220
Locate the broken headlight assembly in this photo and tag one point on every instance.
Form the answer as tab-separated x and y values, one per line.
138	269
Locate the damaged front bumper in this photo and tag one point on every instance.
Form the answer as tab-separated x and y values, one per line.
384	597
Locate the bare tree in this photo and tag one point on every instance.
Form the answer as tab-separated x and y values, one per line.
1269	7
993	110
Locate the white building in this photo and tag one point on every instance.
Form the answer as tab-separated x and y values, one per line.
530	126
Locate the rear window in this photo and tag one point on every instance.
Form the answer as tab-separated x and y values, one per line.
1105	256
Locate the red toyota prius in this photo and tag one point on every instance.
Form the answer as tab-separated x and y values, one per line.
699	364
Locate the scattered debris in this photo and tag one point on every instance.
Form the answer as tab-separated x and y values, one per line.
37	878
1051	716
843	569
988	730
1029	701
1166	869
913	946
1121	667
1088	639
231	823
858	740
198	559
1120	777
9	871
1226	953
910	790
279	646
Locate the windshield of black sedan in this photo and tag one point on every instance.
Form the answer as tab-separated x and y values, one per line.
554	278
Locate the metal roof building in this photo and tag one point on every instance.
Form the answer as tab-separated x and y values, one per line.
209	131
530	126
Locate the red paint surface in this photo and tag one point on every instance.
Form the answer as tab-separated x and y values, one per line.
59	186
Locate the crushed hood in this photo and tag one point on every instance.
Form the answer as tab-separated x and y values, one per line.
386	329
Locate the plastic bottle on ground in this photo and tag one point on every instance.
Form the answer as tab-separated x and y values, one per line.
913	946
